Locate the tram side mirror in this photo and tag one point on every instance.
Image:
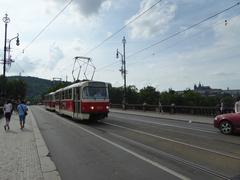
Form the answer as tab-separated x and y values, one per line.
17	42
117	54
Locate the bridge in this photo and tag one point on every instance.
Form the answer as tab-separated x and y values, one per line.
129	144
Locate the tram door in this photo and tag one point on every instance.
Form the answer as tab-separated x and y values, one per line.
77	102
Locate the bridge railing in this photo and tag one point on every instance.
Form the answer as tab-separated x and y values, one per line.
197	110
1	111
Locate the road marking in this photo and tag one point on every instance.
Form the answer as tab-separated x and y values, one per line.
178	159
171	140
161	124
156	164
174	173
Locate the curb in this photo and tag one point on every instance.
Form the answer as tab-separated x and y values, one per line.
156	116
48	167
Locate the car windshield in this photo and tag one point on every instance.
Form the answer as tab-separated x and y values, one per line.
95	93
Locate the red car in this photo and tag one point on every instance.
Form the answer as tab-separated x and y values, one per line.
228	123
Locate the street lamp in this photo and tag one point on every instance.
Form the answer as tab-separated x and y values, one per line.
9	46
117	55
123	71
6	20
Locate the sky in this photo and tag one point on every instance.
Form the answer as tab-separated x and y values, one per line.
208	53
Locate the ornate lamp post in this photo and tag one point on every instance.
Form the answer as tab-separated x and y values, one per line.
9	47
123	71
6	20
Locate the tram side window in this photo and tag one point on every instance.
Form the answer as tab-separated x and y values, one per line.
79	95
57	96
64	94
70	94
76	94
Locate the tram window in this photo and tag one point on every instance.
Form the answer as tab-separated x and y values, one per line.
70	94
79	97
77	93
64	94
94	93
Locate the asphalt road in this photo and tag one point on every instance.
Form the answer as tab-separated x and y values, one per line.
138	148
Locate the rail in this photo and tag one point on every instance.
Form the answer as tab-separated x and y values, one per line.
194	110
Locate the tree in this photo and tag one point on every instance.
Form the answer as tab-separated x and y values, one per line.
57	86
191	98
132	95
12	89
116	94
149	95
169	97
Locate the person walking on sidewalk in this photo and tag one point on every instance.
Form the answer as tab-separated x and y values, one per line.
7	110
22	112
237	105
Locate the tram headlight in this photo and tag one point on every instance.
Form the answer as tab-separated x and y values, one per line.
107	107
92	107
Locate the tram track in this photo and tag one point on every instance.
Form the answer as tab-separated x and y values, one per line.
169	125
169	156
174	141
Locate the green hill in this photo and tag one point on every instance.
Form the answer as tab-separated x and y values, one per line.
36	87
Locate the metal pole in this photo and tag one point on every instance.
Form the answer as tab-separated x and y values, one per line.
5	20
124	73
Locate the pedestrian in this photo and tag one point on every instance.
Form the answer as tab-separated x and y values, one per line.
173	108
7	110
237	105
22	112
160	106
221	107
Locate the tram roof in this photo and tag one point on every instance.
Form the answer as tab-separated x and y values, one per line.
78	84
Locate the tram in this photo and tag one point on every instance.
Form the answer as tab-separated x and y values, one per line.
49	101
82	100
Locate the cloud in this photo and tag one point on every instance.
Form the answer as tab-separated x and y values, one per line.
55	54
155	22
24	65
88	8
85	7
224	74
226	34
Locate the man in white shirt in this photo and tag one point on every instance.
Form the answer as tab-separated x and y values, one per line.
7	109
237	105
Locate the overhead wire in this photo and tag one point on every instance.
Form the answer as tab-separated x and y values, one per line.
184	30
47	25
175	44
119	30
44	28
173	35
123	27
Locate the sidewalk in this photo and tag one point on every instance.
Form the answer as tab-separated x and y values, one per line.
23	153
178	117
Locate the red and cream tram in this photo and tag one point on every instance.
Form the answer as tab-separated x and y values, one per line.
49	101
83	100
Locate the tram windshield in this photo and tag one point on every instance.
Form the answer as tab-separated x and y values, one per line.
90	92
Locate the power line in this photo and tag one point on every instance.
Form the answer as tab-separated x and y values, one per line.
123	27
171	36
45	27
175	44
184	30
